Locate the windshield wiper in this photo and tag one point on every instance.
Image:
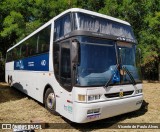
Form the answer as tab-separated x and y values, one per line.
108	82
129	74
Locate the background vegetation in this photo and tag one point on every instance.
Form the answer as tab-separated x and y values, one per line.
18	18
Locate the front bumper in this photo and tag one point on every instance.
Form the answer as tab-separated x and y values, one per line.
107	108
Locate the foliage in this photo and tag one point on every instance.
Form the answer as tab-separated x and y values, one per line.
18	18
2	65
144	16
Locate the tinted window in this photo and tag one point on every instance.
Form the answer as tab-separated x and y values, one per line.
44	40
38	43
62	26
56	60
31	46
65	75
24	50
97	61
96	24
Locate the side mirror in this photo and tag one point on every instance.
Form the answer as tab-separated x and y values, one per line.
75	51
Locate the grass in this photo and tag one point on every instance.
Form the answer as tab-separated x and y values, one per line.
16	107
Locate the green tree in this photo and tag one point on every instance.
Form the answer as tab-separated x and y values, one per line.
18	18
150	44
143	15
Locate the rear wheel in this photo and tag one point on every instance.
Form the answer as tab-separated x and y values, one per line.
10	80
50	101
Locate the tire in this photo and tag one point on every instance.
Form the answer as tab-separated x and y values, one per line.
50	101
10	80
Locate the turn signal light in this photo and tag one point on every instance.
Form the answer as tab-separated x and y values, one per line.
81	97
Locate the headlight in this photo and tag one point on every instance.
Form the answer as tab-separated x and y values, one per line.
83	98
138	91
93	97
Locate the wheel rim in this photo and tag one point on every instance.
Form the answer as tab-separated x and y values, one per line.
51	101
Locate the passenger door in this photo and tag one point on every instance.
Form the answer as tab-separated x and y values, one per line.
65	79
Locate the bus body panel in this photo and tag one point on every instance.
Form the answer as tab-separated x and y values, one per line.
107	109
33	84
102	91
51	48
9	67
65	108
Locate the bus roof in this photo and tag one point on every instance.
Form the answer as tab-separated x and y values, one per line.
65	12
97	14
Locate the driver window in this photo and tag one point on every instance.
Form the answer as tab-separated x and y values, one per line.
65	70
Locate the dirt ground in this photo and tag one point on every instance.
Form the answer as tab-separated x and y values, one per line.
16	107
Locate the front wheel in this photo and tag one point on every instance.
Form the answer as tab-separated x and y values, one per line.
50	101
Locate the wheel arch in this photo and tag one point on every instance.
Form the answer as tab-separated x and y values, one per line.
45	89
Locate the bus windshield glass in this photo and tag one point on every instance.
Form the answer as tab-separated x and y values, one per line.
126	53
92	23
97	61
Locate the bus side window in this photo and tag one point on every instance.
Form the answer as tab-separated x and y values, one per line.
65	70
44	40
44	48
23	51
56	60
30	51
14	54
31	46
62	26
18	52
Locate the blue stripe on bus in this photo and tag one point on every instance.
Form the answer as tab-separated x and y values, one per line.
35	63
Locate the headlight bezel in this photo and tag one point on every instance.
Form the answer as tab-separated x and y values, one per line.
88	98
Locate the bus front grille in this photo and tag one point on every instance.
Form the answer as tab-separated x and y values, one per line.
113	95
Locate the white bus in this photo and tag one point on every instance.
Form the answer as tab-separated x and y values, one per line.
80	64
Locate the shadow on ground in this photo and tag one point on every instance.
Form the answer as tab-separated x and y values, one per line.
109	122
9	94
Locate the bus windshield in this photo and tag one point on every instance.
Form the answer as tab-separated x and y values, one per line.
97	61
126	53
